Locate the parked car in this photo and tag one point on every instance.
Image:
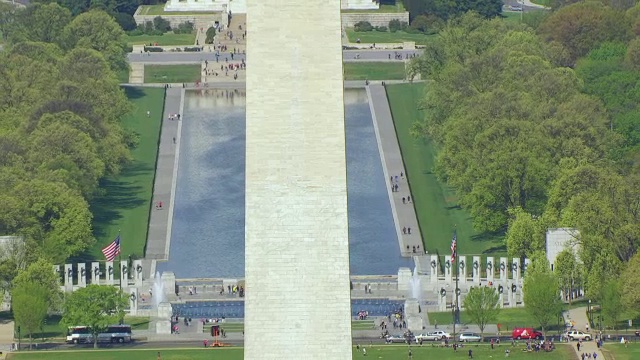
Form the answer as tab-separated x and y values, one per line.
433	336
469	337
577	335
526	333
399	339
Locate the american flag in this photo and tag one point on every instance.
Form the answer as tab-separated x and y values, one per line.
454	247
112	250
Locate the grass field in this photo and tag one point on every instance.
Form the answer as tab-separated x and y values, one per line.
385	352
171	73
620	352
380	37
159	10
374	71
436	204
163	40
125	205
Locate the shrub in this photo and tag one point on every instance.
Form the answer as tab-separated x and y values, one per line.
362	26
161	24
420	23
211	33
153	49
184	28
193	48
136	32
148	27
397	25
381	28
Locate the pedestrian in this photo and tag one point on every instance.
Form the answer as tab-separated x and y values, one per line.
595	355
364	351
404	200
396	187
148	113
206	342
578	346
404	230
408	198
410	354
491	344
174	139
470	354
159	356
396	178
409	230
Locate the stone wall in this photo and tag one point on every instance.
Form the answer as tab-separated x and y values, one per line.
204	20
376	19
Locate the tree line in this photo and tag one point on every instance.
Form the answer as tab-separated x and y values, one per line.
60	130
537	127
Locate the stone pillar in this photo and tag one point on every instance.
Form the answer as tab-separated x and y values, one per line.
124	273
404	279
512	296
169	282
133	301
95	273
515	270
442	299
137	271
476	267
504	267
82	274
68	277
462	269
109	271
434	269
490	266
447	272
412	314
164	314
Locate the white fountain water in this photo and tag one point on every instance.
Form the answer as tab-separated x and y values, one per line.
158	290
416	288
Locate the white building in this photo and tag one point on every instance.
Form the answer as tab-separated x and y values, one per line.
560	238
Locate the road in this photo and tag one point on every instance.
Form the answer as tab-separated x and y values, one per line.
197	57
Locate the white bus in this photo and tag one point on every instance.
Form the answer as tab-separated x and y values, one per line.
113	334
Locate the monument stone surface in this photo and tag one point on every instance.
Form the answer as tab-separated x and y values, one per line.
297	303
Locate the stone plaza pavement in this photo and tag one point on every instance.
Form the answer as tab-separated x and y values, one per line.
404	214
579	318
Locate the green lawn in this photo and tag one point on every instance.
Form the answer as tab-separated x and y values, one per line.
614	351
127	200
436	204
546	3
385	352
167	39
123	76
171	73
159	10
379	37
384	8
374	71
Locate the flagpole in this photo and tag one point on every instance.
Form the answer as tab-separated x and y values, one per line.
456	313
120	258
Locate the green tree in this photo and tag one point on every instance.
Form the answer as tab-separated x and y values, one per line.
582	26
30	303
541	295
611	303
525	234
568	272
40	272
631	284
94	306
481	305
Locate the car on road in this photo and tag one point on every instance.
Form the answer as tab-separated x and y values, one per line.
469	337
577	335
433	336
399	339
526	333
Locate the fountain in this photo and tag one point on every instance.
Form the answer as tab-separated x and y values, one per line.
412	304
158	290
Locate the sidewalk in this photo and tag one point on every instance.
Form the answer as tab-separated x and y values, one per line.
579	317
404	214
159	221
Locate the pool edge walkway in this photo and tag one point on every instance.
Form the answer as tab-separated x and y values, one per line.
164	184
404	214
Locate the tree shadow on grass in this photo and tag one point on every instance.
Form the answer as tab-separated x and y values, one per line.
133	93
494	238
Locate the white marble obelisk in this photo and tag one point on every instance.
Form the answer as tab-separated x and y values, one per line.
296	228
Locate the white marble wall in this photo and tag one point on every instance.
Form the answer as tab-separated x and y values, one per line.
297	255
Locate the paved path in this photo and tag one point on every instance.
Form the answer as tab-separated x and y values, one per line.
164	185
197	57
579	317
403	212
